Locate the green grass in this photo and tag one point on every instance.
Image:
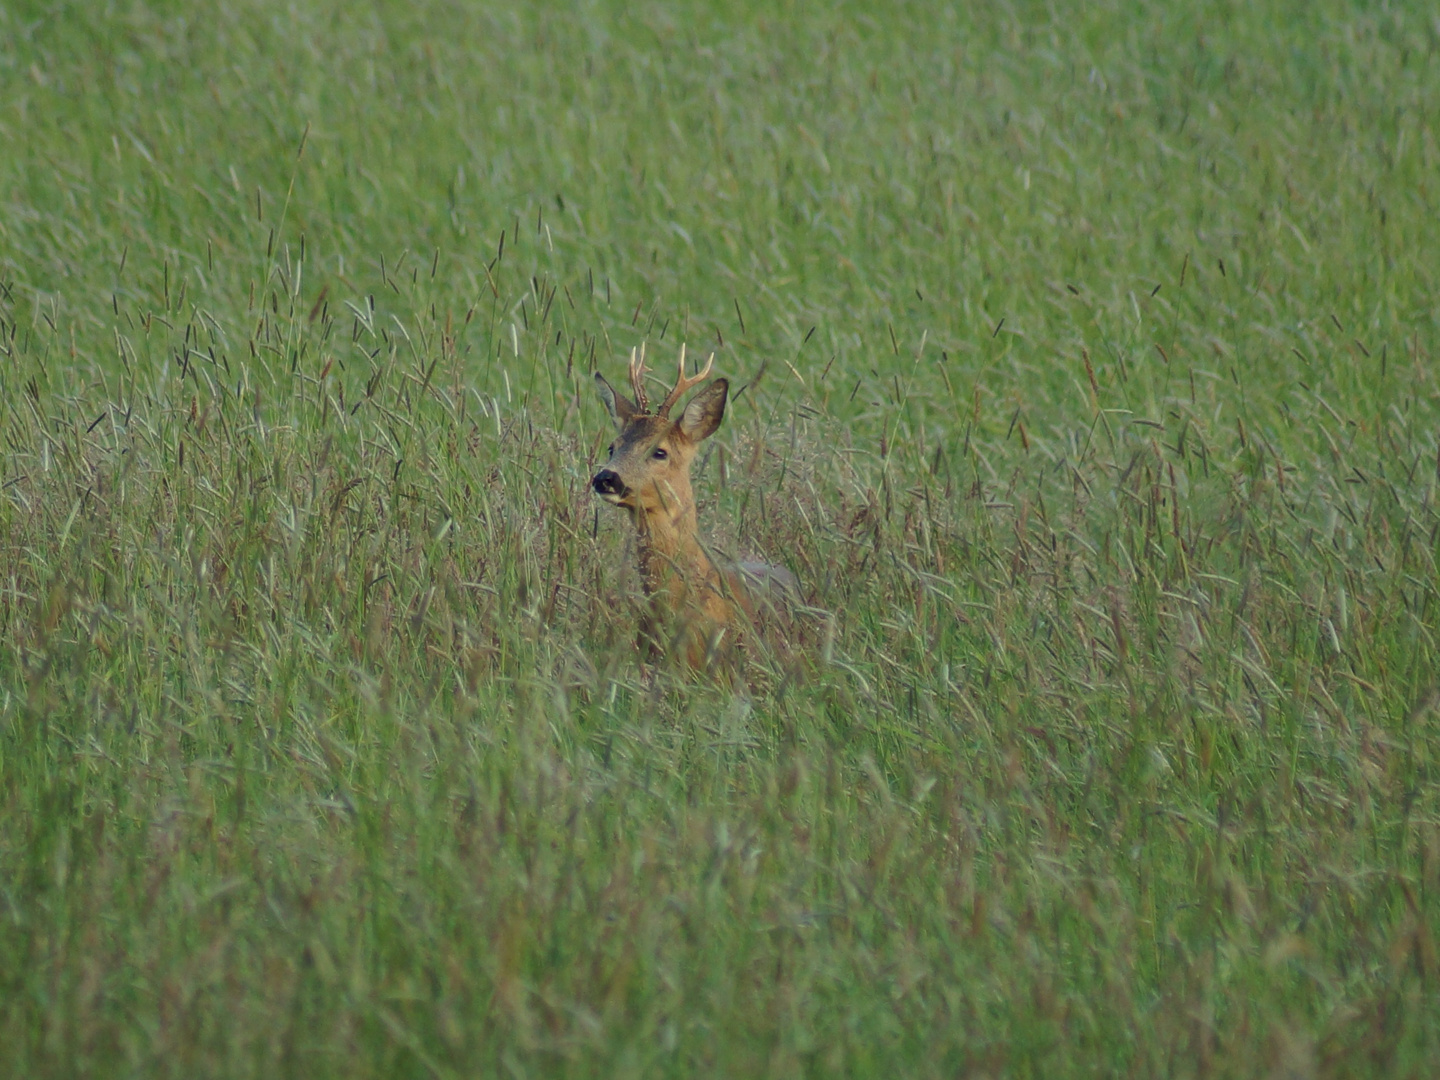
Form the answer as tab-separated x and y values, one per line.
1088	367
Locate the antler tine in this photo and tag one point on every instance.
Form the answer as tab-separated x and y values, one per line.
684	383
637	378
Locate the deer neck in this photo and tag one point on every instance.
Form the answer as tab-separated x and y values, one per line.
672	563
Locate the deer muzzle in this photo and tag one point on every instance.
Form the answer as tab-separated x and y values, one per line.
609	486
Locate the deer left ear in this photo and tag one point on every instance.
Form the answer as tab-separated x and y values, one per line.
620	408
705	411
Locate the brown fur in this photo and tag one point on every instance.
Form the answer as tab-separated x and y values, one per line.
693	609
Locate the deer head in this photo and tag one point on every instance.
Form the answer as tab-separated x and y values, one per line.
648	472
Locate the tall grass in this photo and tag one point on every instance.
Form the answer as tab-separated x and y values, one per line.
1085	377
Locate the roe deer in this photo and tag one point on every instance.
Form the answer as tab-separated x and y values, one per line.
690	613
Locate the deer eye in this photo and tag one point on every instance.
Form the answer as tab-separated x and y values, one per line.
611	451
660	453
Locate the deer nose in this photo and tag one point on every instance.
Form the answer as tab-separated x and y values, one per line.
608	482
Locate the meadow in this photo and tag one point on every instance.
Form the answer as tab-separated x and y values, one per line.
1084	372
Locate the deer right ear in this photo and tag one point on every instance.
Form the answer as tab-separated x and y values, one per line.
705	411
621	410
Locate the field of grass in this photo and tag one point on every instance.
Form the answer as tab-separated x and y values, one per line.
1085	371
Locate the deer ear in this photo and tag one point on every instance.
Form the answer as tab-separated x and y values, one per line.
705	411
621	410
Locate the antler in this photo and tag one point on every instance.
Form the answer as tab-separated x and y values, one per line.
683	383
637	378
